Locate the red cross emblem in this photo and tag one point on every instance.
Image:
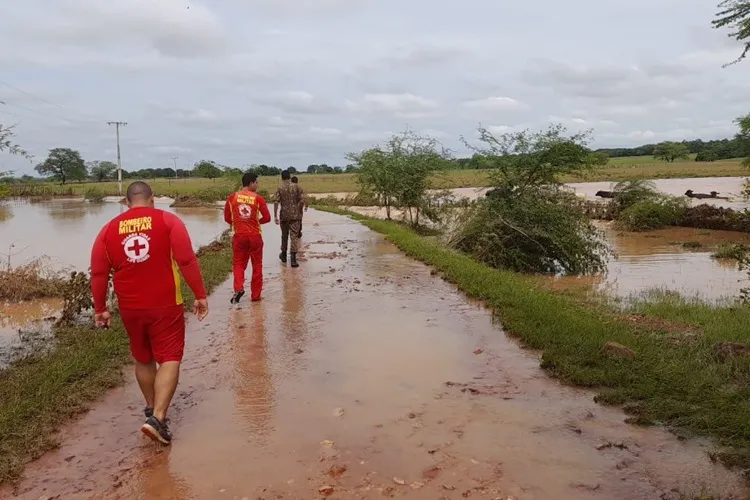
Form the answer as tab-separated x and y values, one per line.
136	247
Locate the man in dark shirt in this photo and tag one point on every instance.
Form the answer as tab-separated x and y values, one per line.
291	198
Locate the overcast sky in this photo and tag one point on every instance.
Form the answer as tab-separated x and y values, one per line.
294	82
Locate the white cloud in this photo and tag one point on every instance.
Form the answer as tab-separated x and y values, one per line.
325	131
272	81
496	104
405	105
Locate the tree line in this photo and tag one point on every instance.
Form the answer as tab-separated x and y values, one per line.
721	149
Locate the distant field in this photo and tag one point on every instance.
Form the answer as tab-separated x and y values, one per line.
619	169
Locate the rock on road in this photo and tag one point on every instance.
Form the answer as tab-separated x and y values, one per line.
361	375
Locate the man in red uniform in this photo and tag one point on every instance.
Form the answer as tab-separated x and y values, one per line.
145	247
246	211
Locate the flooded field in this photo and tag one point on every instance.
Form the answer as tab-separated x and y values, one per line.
65	229
361	375
729	187
653	260
62	232
659	260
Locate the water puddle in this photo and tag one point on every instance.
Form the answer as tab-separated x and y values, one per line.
32	313
363	376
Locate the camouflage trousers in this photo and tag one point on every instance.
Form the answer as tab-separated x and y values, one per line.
290	230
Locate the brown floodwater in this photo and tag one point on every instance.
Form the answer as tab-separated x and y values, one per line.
28	314
658	260
361	375
65	229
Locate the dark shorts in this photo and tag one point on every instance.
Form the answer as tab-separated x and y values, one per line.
155	334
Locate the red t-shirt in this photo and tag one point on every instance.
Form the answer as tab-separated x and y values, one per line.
146	247
246	211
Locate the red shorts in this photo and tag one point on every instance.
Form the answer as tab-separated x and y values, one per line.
155	334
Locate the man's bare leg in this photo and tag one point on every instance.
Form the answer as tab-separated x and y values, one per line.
145	374
165	386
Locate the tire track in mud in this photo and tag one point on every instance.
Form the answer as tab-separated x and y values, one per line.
362	375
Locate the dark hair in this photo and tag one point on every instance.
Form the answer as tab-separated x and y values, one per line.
285	175
248	178
138	189
295	179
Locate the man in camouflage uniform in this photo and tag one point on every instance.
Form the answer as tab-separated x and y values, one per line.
291	198
295	180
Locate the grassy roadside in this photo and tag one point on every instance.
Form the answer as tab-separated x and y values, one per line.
675	379
41	393
619	169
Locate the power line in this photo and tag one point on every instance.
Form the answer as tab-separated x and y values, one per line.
32	95
47	101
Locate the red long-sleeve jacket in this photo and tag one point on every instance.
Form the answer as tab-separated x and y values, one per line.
246	211
146	247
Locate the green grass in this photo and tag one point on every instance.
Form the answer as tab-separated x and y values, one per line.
619	169
41	393
675	379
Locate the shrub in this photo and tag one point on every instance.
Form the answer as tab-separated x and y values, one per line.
30	281
653	214
628	193
736	251
529	222
540	231
93	195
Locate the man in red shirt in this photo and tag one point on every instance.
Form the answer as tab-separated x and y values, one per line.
246	211
145	247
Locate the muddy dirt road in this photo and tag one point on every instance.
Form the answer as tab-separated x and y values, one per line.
361	375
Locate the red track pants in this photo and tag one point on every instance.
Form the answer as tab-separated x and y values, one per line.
246	248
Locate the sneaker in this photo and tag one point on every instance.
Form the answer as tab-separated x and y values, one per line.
156	430
282	257
148	411
236	297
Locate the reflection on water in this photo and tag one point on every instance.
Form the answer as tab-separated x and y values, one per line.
293	322
254	385
160	482
65	229
657	260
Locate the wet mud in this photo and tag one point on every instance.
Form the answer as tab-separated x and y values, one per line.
360	375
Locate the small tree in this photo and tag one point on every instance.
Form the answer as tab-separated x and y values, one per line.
530	222
707	155
670	151
63	164
100	170
735	15
399	172
206	169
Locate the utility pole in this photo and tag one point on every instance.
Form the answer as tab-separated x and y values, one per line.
119	164
174	159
